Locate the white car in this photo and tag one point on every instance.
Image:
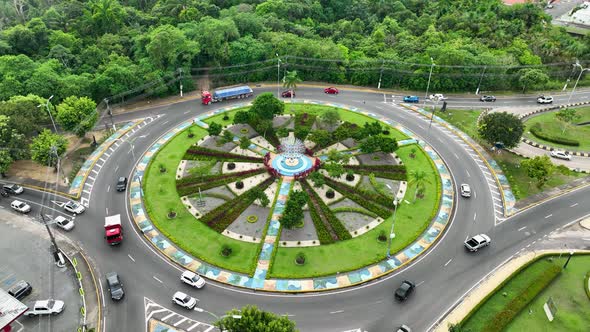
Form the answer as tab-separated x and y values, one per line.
74	207
193	279
477	242
560	155
465	190
438	96
45	307
64	223
545	100
21	207
184	300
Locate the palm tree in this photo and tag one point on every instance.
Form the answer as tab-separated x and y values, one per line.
418	179
290	82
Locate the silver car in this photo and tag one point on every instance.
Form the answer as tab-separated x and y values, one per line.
560	155
465	190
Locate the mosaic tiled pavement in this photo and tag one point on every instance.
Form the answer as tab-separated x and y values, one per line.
288	285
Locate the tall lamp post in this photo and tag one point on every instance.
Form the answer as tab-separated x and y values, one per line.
391	233
278	75
582	70
568	259
49	111
429	76
219	318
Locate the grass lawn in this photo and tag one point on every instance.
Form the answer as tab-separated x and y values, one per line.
567	292
190	234
522	186
551	126
411	220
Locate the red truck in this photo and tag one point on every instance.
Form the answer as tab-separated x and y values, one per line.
113	229
239	92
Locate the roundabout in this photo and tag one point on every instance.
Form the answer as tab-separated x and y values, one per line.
264	260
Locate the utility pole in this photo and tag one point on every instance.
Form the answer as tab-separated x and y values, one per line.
480	79
429	76
180	70
380	75
582	70
106	100
278	75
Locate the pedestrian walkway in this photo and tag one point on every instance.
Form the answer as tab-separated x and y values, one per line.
270	239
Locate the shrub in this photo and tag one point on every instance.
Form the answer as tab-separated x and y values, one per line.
330	193
537	131
349	176
239	185
226	250
231	166
225	117
300	258
196	152
382	236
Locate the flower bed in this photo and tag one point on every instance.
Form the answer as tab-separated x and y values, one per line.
208	182
392	172
197	153
336	225
363	198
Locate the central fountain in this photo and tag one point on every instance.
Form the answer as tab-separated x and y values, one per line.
291	159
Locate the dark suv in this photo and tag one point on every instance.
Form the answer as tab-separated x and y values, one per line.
115	286
406	288
20	289
121	183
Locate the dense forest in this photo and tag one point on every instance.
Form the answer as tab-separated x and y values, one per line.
82	52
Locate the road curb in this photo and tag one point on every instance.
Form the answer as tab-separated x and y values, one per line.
488	285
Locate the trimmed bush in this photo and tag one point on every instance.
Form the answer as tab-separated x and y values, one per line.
364	198
537	131
330	193
239	185
191	184
231	166
198	153
300	258
325	213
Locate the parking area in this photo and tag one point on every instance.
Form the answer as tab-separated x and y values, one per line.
26	256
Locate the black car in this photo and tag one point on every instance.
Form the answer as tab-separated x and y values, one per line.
20	289
487	98
115	286
288	93
3	193
403	291
121	183
14	189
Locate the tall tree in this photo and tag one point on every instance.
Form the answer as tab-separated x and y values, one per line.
266	106
5	162
539	168
214	129
329	119
501	127
252	319
77	115
48	147
290	82
419	179
566	116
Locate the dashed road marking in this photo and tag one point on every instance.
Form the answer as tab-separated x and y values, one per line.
156	278
131	258
168	317
336	312
573	204
549	216
520	229
448	262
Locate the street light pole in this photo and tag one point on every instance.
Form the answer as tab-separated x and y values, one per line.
391	233
582	70
278	75
219	319
568	260
429	76
49	111
480	79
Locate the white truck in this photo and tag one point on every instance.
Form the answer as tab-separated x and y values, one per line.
477	242
45	307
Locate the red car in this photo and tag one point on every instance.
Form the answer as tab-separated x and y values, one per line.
331	90
287	94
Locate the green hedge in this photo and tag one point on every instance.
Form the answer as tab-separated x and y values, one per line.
505	316
192	188
322	231
196	152
355	210
334	222
362	197
586	287
537	131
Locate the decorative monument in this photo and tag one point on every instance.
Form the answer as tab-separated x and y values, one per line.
293	159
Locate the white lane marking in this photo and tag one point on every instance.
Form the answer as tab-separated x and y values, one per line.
420	283
520	229
95	171
167	317
102	293
158	279
549	216
116	168
466	238
107	211
104	161
187	112
128	152
573	204
154	312
192	327
165	122
456	156
99	166
209	329
86	191
474	216
180	321
336	312
109	188
448	262
131	258
474	195
91	178
468	175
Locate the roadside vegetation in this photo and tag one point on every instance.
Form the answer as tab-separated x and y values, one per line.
517	304
568	133
521	183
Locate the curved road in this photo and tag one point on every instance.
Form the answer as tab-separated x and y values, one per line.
443	274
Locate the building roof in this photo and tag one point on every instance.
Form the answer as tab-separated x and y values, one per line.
10	308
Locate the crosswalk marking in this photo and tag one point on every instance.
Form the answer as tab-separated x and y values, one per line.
192	327
180	321
167	317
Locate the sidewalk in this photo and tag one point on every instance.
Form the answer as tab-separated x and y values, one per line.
488	285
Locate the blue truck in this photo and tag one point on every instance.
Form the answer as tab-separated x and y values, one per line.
238	92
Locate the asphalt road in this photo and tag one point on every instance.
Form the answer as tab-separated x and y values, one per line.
443	274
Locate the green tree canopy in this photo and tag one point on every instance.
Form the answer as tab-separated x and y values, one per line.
253	319
567	116
501	127
539	168
266	106
77	115
329	119
214	129
47	147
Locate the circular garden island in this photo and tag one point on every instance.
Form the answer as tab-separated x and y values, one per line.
566	129
302	191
